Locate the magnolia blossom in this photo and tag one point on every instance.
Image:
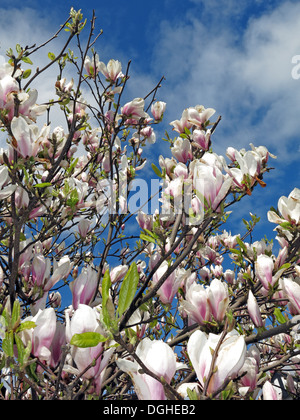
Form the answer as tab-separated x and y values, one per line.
158	109
112	71
84	287
160	359
170	287
5	190
42	335
199	115
264	269
61	270
218	299
291	290
134	110
86	319
228	362
254	310
92	65
182	150
195	304
271	393
289	207
202	303
211	185
144	220
27	139
249	375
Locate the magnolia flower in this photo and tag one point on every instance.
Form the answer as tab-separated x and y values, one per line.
134	109
86	319
218	299
264	269
144	220
5	190
270	392
112	71
27	140
61	269
211	185
41	336
195	304
117	273
254	310
291	290
170	287
249	374
160	359
182	150
199	115
92	65
289	207
227	363
83	288
158	109
41	267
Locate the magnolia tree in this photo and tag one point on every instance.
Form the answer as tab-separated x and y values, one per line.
101	300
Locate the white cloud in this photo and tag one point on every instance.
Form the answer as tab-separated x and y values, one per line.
246	77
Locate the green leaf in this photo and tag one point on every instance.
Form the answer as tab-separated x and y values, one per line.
156	170
51	56
26	60
106	283
241	244
279	316
15	317
26	74
20	348
87	339
26	325
8	344
147	238
128	288
43	185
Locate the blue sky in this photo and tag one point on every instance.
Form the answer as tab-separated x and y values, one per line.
234	56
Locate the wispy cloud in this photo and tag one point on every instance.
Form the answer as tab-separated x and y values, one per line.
245	76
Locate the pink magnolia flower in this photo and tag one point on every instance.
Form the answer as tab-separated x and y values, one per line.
289	207
86	319
249	373
195	304
228	362
42	335
270	392
83	288
170	286
264	269
291	290
41	267
218	299
92	65
158	109
28	139
160	359
211	185
144	220
112	71
117	273
134	109
61	270
202	138
199	115
254	310
183	123
182	150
